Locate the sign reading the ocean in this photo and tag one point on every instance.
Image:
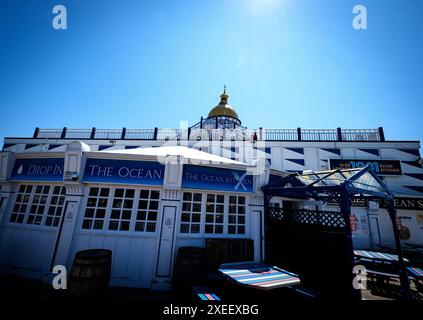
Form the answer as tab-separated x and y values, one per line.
123	171
381	167
41	169
198	177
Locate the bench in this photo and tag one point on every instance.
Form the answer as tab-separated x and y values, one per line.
415	274
204	293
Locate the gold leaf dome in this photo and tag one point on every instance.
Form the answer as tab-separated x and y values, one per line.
223	109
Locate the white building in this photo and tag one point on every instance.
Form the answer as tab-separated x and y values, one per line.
143	193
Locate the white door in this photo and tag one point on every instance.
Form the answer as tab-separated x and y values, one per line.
164	262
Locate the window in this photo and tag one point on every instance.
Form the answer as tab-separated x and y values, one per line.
191	212
148	207
55	209
95	211
21	204
121	209
120	217
236	215
214	213
34	202
220	214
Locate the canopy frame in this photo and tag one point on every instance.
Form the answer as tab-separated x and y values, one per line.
345	186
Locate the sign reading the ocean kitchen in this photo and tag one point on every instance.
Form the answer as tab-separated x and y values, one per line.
40	169
382	167
123	171
198	177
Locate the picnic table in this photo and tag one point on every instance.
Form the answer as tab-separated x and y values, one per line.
377	257
258	275
380	266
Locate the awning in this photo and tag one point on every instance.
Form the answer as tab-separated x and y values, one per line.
321	184
185	152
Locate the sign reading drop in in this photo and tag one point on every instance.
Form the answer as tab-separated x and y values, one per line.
40	169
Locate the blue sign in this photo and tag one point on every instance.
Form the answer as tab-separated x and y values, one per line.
381	167
40	169
123	171
198	177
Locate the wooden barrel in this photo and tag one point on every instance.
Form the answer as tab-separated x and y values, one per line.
189	267
90	272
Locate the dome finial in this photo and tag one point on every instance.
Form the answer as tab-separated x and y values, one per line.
224	96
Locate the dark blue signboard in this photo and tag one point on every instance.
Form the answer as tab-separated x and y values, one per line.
40	169
123	171
380	167
199	177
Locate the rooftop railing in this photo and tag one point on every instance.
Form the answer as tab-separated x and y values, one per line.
298	134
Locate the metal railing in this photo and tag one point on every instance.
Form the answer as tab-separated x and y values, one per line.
78	133
319	135
260	134
281	134
140	134
108	134
48	133
361	135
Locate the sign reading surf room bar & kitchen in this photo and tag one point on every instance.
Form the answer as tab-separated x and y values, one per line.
38	169
199	177
123	171
380	167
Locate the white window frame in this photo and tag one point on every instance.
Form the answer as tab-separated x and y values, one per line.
225	234
27	213
95	208
215	213
191	212
236	214
56	206
147	210
109	208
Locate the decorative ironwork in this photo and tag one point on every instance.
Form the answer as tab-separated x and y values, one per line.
276	214
226	128
328	219
332	219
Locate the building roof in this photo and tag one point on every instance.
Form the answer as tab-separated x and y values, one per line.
185	152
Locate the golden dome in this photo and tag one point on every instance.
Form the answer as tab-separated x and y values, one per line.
223	109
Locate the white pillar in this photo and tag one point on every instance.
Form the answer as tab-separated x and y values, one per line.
170	204
73	207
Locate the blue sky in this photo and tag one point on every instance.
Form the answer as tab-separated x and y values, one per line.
142	64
